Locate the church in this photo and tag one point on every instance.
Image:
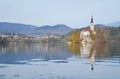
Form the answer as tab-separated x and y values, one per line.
85	33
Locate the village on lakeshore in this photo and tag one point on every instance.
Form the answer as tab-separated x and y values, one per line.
90	34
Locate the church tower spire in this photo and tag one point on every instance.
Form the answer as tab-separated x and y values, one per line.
91	19
92	24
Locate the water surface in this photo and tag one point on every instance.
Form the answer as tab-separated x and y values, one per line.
59	61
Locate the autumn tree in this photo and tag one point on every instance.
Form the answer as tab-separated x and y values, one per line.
101	36
74	36
92	35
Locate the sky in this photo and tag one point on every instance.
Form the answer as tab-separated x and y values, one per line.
73	13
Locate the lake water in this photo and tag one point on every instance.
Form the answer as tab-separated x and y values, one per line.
59	61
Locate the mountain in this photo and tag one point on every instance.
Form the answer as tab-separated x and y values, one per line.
7	27
115	24
59	29
100	25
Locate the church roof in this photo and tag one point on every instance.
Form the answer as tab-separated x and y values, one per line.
86	29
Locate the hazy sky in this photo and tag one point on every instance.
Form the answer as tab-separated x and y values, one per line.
74	13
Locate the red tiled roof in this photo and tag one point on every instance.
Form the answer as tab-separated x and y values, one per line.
87	28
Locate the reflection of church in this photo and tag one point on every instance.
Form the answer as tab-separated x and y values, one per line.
87	51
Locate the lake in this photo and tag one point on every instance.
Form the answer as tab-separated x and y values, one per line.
59	61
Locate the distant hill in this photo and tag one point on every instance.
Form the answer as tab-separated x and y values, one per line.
59	29
100	25
115	24
6	27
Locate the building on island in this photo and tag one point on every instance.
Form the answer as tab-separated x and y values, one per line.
85	33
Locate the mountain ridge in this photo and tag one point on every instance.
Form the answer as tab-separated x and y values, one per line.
8	27
114	24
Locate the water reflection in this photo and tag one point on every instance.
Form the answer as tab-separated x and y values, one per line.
88	51
59	61
85	50
13	53
96	52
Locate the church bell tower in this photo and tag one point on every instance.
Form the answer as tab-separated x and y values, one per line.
92	24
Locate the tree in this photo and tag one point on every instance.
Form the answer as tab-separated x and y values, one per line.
74	36
101	36
92	35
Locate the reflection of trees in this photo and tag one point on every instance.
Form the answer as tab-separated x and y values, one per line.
13	48
114	49
86	49
102	50
12	53
74	48
29	47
